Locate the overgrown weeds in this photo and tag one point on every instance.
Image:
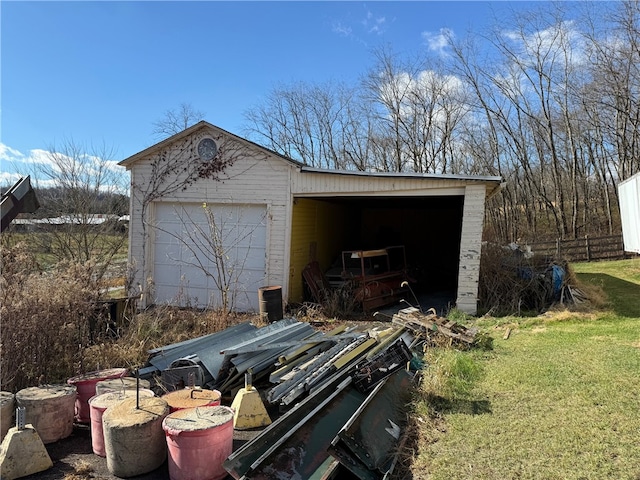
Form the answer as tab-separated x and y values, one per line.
341	302
45	319
53	327
451	375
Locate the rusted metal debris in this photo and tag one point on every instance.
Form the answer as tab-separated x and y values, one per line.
430	323
339	395
368	443
376	278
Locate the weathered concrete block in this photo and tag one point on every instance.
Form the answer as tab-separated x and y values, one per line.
22	453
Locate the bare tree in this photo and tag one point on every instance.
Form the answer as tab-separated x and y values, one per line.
76	180
176	120
551	103
319	125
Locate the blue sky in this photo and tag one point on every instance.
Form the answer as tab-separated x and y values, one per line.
103	72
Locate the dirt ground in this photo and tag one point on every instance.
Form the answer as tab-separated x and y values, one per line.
73	459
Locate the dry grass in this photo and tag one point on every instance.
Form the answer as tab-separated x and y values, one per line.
82	469
52	329
46	319
155	328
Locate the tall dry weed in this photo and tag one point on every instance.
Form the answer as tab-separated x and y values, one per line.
157	327
46	318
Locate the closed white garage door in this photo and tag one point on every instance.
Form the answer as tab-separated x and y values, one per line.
201	252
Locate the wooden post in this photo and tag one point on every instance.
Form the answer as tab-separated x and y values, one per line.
586	242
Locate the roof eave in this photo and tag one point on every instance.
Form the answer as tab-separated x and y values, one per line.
127	162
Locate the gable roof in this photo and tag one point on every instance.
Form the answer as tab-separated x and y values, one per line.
127	162
494	183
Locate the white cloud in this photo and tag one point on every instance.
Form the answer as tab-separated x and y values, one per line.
358	30
7	179
438	42
9	154
373	24
15	157
562	39
42	165
341	29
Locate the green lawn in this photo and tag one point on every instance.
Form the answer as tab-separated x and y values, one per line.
558	399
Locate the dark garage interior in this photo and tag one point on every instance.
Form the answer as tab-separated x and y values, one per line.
429	228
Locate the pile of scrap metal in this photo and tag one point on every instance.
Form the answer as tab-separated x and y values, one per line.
340	395
429	325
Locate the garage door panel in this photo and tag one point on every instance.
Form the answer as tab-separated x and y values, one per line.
252	217
249	237
195	278
250	256
184	249
165	273
197	297
251	280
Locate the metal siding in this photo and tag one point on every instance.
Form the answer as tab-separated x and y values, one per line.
629	193
251	180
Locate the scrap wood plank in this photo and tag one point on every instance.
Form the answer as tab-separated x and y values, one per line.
425	322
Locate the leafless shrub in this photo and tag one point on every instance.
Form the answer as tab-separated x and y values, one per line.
45	319
513	284
157	327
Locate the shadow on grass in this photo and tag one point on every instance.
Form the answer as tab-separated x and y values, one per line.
623	296
458	405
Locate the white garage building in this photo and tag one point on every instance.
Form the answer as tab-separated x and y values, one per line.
214	216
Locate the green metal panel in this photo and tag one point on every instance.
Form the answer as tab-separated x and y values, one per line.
368	443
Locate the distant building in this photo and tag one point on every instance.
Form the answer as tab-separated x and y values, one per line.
33	224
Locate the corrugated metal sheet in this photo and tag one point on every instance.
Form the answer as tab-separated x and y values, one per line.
367	445
299	447
204	346
629	194
227	355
